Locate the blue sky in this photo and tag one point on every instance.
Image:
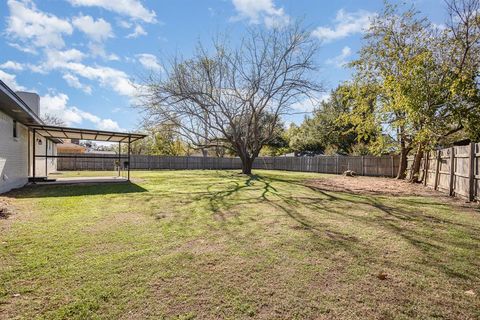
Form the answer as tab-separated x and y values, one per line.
81	56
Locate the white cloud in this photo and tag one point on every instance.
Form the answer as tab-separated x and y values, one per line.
261	11
38	32
10	80
57	104
12	65
438	26
109	125
106	76
308	105
59	57
149	61
131	8
124	24
74	82
97	30
23	48
346	24
325	97
17	66
98	50
70	62
35	28
341	59
137	32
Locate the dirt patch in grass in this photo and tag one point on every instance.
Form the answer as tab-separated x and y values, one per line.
372	186
115	221
377	186
5	208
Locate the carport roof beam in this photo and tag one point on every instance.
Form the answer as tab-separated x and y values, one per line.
85	134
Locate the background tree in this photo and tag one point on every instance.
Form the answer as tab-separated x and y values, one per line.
328	131
53	120
424	80
236	94
160	140
392	40
460	48
278	145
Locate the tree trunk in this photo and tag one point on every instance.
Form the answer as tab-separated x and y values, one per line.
402	168
247	164
204	158
415	172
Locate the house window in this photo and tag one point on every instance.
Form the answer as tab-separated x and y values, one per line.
14	128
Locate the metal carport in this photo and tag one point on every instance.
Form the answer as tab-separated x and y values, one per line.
57	132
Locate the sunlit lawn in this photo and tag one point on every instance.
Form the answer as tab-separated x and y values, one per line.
216	244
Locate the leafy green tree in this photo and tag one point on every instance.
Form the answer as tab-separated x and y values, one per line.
161	140
421	82
329	130
278	145
382	74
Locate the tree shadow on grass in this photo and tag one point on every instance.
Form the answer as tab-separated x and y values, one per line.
425	231
227	197
43	191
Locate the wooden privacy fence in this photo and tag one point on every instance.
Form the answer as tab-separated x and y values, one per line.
386	166
454	171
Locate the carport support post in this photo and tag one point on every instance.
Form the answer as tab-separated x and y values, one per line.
119	156
29	152
33	152
128	172
46	158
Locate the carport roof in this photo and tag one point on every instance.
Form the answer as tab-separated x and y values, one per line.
85	134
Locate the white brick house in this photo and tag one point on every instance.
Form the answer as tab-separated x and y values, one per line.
18	110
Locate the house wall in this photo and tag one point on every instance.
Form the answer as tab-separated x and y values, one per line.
13	154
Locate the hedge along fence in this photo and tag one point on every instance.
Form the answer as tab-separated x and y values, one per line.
386	166
454	171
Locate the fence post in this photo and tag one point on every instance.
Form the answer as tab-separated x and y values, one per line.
437	169
363	165
425	167
471	172
336	164
393	166
452	171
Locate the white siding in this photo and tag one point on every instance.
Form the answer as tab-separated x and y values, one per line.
14	164
13	154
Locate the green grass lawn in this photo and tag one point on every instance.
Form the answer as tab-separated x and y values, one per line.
216	244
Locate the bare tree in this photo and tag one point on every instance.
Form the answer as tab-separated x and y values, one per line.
53	120
235	95
464	28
